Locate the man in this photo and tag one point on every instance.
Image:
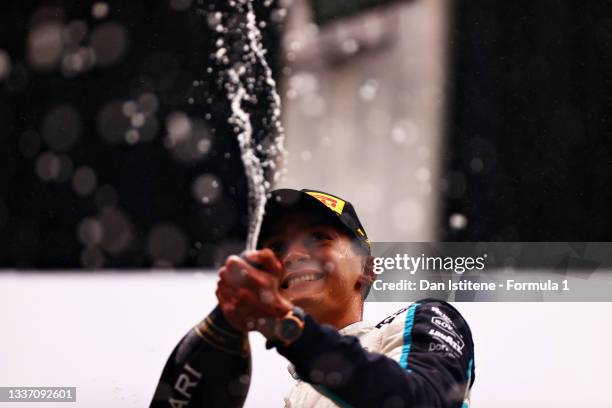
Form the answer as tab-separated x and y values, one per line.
305	291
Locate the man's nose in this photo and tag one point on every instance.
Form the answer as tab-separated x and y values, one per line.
295	254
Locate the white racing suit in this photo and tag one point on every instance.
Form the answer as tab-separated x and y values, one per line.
421	356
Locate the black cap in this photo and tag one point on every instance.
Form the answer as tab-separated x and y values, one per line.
335	209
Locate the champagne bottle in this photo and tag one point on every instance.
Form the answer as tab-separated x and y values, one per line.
210	367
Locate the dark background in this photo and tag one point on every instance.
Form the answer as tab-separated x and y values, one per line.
140	186
527	154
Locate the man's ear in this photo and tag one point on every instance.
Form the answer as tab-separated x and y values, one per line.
368	276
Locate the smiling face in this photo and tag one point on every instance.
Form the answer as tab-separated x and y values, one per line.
322	273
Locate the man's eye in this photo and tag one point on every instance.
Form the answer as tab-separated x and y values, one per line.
320	236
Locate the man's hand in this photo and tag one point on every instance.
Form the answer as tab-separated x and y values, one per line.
248	292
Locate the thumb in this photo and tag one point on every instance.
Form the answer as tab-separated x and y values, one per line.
264	260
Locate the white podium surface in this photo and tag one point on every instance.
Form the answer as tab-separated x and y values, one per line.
109	335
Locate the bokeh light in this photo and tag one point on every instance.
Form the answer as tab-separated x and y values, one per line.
188	140
369	89
84	180
100	10
117	230
167	245
48	166
457	221
179	126
90	231
405	131
45	45
109	41
207	188
148	103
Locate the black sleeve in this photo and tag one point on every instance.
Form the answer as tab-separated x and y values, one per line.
209	367
435	368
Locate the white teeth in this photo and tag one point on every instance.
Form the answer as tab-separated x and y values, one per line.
301	278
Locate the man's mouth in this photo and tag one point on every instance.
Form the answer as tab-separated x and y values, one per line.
295	278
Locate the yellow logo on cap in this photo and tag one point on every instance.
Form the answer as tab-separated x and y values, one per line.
333	203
